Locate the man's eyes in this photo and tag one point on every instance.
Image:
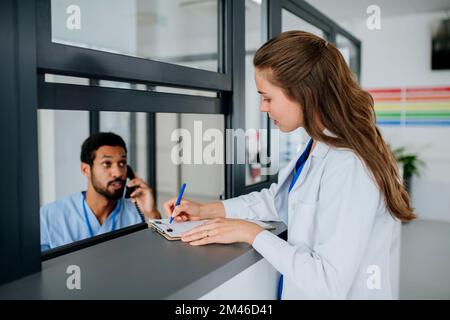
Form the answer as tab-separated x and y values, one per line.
108	164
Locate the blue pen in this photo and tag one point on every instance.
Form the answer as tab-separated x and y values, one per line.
180	195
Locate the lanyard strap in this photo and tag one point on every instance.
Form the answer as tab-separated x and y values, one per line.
116	208
300	164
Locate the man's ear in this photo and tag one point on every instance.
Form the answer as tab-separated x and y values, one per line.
86	169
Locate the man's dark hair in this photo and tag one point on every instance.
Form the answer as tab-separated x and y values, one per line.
97	140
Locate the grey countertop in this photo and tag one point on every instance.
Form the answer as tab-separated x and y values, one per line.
141	265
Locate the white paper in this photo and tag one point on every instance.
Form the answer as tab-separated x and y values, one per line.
176	229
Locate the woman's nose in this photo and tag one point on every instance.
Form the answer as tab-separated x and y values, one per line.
264	107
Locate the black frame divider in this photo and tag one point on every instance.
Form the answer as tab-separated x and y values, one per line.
151	148
59	96
19	204
94	116
235	173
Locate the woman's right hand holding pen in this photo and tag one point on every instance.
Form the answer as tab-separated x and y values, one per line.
189	210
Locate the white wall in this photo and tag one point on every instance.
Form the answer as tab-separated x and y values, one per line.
399	55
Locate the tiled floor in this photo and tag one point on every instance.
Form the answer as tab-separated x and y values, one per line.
425	260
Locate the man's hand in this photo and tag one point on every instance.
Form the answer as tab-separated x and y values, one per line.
143	196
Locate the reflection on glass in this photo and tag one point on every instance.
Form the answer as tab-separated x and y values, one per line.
194	154
83	177
290	21
60	135
291	143
177	31
254	118
349	51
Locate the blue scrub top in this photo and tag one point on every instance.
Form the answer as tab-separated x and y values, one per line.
63	221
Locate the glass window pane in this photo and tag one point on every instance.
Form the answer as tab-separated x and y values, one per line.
177	31
187	155
290	21
254	118
349	51
62	179
60	135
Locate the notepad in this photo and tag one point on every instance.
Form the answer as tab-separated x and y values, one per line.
176	229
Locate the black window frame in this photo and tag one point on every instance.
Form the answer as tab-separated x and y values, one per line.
19	219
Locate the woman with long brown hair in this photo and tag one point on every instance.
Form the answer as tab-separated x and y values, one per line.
340	197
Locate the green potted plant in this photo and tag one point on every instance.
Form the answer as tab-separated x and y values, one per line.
410	163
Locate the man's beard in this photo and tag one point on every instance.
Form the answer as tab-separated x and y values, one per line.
116	195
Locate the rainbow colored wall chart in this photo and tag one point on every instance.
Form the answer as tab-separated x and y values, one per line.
427	106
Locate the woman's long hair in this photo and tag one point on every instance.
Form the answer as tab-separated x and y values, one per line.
313	72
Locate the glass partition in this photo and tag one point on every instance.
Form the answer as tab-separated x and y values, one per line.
189	149
83	185
176	31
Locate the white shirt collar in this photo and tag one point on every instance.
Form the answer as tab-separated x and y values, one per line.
321	149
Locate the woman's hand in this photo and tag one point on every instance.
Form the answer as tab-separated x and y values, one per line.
186	210
222	231
189	210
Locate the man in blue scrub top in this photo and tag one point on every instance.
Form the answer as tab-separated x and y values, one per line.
102	207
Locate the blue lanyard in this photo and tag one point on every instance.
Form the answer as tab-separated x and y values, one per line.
300	164
299	167
116	208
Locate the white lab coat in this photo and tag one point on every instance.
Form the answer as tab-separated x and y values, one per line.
339	230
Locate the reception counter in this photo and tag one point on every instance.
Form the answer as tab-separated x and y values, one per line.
144	265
